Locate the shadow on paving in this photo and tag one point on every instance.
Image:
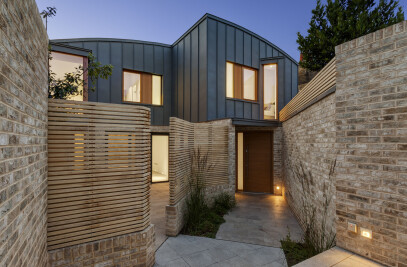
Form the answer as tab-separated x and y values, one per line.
260	219
186	250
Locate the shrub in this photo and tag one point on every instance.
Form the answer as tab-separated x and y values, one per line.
199	218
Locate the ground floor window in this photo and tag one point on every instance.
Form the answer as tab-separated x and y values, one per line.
159	158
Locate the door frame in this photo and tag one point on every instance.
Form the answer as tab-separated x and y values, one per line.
151	156
244	157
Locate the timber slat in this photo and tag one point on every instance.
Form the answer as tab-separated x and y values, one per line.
323	81
99	171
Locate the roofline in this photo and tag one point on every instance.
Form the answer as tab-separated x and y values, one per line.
207	15
118	40
53	42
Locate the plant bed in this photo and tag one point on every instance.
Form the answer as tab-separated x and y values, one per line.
296	252
202	220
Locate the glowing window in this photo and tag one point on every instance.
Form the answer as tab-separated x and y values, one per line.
61	64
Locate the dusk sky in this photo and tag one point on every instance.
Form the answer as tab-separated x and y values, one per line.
164	21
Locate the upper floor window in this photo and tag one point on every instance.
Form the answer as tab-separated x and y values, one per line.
62	63
241	82
270	91
142	87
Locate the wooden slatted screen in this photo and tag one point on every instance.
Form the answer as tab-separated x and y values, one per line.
99	171
184	138
322	82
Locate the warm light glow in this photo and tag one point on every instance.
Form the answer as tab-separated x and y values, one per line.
229	80
240	161
270	91
159	150
366	233
61	64
278	188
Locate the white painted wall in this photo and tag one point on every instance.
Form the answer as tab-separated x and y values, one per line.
160	154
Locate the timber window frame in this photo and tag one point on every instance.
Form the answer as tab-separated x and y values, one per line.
236	84
147	88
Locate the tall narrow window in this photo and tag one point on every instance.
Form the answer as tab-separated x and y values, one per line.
270	91
157	90
159	158
229	80
62	63
142	87
241	82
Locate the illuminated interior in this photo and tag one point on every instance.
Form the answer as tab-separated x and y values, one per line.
159	158
241	82
132	86
62	63
249	84
229	80
157	99
240	161
270	91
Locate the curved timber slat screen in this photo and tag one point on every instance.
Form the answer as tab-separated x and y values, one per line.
322	82
99	171
212	139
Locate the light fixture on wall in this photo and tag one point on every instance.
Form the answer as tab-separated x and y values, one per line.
366	232
277	187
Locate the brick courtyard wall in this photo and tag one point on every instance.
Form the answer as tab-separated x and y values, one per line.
371	119
23	135
308	156
217	138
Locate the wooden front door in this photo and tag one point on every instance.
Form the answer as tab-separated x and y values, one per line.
258	162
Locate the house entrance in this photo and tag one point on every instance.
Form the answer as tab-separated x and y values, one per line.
255	162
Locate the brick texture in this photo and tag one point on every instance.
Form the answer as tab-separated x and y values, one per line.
371	121
23	134
136	249
308	156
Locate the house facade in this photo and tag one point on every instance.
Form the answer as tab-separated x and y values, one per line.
216	70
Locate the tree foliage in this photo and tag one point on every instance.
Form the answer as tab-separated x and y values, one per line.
339	21
72	82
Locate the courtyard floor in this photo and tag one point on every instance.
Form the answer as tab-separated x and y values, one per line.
260	219
250	236
159	197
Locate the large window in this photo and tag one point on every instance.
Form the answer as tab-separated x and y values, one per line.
62	63
142	87
241	82
270	91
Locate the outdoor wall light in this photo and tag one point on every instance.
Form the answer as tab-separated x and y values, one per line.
366	232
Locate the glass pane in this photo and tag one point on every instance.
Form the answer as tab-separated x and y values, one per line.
65	63
229	79
270	91
249	84
131	86
240	161
159	158
157	99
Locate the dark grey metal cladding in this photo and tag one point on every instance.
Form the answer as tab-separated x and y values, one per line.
133	55
190	63
229	42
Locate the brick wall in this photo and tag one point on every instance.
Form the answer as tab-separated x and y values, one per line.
23	135
136	249
308	156
371	113
216	138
